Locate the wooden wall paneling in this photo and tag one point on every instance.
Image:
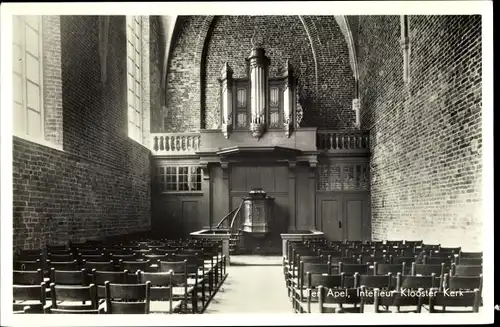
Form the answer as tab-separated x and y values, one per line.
253	177
302	199
220	197
267	177
281	176
292	191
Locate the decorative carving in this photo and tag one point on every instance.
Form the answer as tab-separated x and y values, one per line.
300	113
356	108
226	99
287	104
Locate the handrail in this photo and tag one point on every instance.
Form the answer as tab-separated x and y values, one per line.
236	215
225	217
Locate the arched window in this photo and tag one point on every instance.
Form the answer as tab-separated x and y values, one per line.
134	77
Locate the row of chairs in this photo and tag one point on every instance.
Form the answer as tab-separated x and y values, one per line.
303	257
203	262
333	294
118	299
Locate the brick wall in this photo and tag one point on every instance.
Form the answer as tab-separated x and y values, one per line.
315	46
100	184
426	144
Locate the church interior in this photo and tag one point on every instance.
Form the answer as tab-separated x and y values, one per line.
161	163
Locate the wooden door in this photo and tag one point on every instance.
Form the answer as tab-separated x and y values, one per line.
356	216
329	215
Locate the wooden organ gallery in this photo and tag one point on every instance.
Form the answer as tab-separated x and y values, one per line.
319	180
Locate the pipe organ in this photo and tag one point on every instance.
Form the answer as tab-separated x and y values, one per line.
270	105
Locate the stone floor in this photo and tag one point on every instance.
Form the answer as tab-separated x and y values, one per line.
254	284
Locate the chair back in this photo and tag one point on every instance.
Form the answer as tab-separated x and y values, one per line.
128	298
26	277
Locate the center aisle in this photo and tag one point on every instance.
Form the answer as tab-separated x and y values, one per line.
254	285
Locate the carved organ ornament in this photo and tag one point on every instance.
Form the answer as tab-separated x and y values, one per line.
258	102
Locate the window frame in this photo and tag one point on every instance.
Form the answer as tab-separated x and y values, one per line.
18	130
135	124
162	180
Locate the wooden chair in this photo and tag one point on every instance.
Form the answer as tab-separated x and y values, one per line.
300	284
56	247
73	299
410	291
461	292
99	278
71	277
28	265
413	243
60	257
89	251
449	250
127	298
134	266
161	292
428	270
182	290
94	257
29	255
371	259
468	261
313	282
197	276
350	269
340	297
65	265
99	265
26	277
385	268
470	255
464	270
30	298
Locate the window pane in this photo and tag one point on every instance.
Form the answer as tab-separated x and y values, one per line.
138	72
32	69
17	30
33	94
138	119
130	48
33	21
138	104
131	98
137	88
34	123
130	83
17	88
32	41
130	65
17	59
19	119
137	54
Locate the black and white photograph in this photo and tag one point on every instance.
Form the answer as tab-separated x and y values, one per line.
276	163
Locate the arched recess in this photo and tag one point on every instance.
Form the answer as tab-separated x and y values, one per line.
168	26
200	55
347	31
